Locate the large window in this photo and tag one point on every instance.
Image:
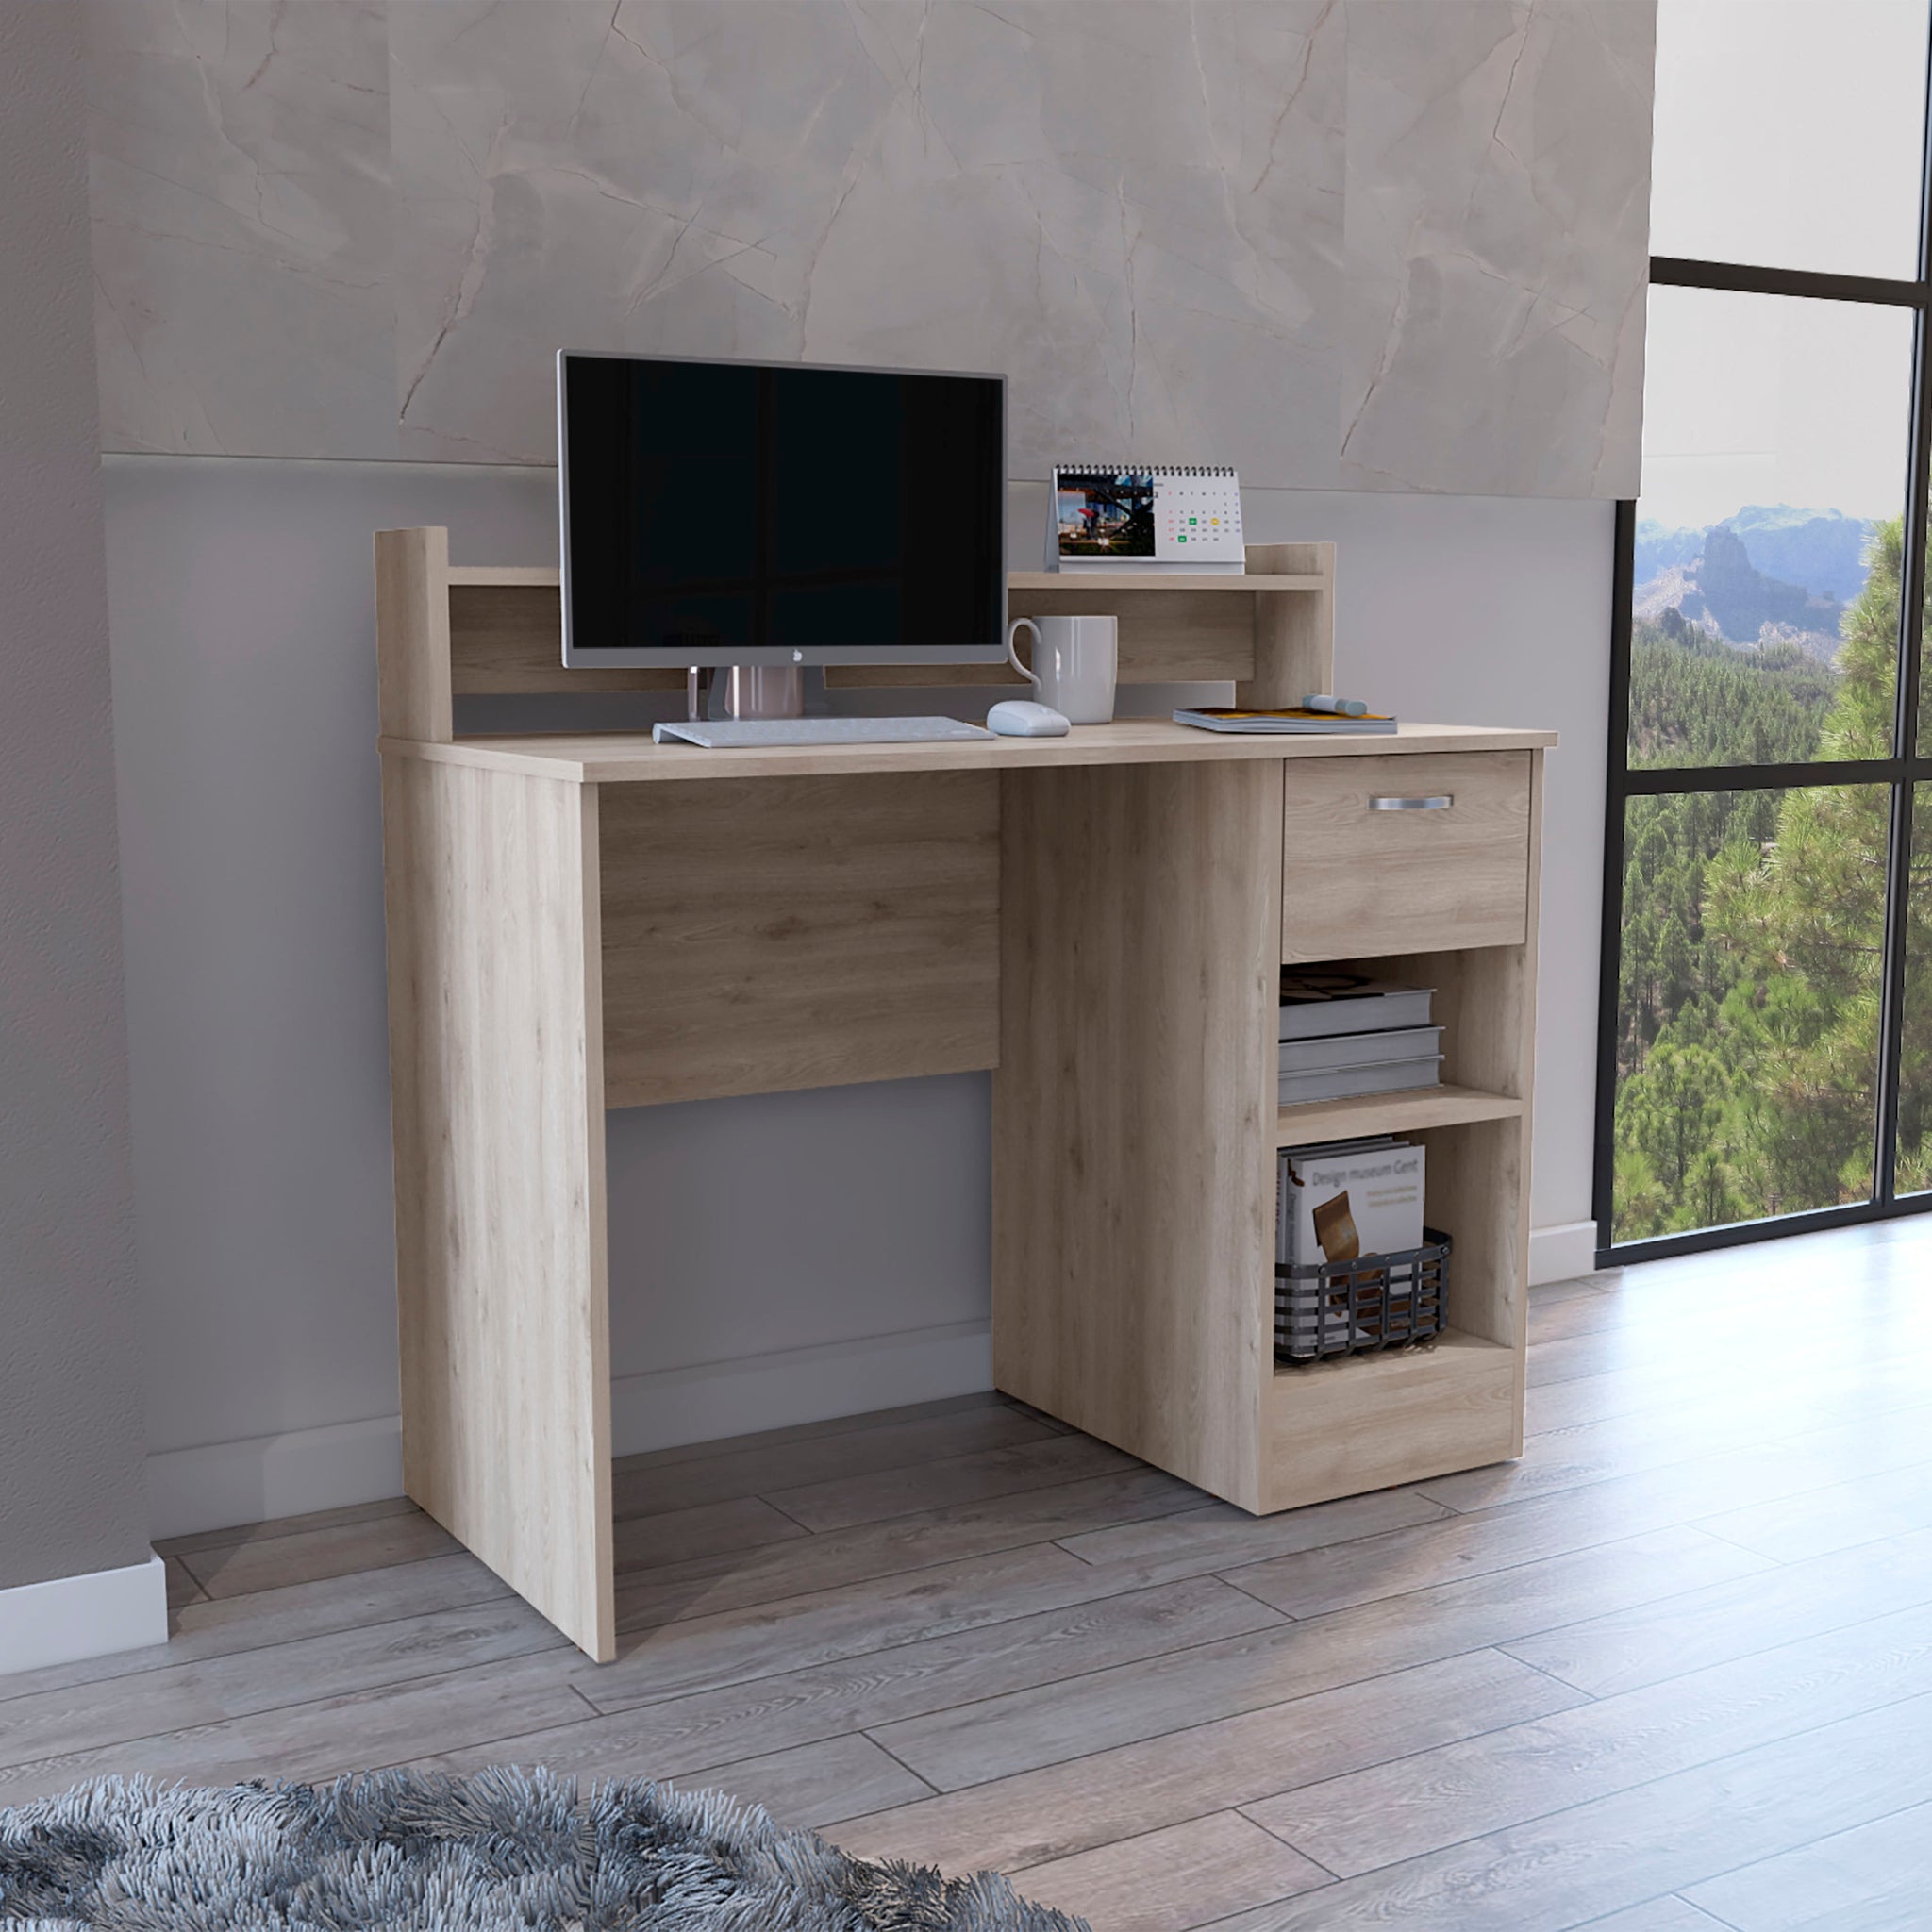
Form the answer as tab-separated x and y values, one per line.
1767	1012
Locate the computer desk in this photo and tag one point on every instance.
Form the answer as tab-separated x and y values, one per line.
578	923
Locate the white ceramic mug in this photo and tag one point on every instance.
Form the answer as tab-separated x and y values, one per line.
1075	660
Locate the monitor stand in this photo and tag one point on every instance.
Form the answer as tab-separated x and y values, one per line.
764	690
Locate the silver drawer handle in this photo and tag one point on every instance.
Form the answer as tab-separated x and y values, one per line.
1441	803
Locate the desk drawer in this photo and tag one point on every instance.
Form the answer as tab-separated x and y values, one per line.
1414	854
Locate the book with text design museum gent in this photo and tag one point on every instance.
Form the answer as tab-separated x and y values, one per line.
1340	1203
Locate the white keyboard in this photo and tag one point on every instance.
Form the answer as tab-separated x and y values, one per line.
730	734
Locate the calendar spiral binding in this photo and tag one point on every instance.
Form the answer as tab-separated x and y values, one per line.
1224	470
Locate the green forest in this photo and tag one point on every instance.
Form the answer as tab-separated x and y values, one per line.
1754	927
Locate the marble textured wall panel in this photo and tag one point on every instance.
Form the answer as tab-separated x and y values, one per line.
1372	243
1132	206
238	182
1497	204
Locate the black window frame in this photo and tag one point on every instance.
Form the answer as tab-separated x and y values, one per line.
1908	767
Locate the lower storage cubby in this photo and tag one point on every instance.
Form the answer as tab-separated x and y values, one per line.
1339	1427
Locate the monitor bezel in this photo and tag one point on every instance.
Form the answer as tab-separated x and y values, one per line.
589	656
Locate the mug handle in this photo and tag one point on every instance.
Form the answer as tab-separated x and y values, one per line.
1013	655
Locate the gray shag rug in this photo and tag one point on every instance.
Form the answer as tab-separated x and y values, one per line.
395	1850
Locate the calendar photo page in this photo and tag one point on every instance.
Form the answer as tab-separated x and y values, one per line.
1180	517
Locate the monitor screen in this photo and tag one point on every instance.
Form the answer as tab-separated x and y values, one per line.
758	513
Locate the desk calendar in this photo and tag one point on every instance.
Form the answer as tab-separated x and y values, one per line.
1154	517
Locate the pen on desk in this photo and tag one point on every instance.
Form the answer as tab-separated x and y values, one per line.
1341	707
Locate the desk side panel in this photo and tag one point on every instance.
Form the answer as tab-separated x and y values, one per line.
496	1071
1134	1108
767	934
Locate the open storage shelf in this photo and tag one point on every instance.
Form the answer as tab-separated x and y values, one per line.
1360	1422
1408	1112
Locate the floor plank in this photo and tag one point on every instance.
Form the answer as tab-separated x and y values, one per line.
240	1569
999	1736
677	1736
1186	1874
1090	1800
706	1529
876	1550
1694	1428
325	1736
785	1458
348	1515
1875	1875
236	1625
1645	1644
1516	1532
185	1695
1670	1914
1880	1503
1217	1536
1390	1812
1563	1872
845	1501
846	1620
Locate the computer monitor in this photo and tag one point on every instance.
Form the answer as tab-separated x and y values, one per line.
769	513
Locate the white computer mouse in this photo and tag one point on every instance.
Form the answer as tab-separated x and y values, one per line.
1018	718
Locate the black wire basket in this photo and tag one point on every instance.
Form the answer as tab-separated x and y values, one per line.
1354	1307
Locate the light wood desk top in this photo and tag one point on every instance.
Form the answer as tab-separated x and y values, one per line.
628	758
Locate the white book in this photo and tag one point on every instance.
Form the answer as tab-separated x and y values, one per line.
1350	1083
1318	1000
1339	1207
1361	1049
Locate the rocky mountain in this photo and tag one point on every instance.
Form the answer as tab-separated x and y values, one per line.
1769	572
1822	550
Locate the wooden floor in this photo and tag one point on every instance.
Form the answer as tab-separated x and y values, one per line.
1672	1671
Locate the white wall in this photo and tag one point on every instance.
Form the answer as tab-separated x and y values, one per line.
773	1259
70	1422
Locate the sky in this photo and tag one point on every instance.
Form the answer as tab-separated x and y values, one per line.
1788	134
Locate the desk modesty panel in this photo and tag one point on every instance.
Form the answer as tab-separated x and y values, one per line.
582	922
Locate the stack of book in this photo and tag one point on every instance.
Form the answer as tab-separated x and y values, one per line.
1343	1200
1342	1035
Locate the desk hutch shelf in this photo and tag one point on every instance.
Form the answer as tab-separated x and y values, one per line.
1098	919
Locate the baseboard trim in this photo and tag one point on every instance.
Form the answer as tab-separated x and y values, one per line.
95	1614
223	1484
791	1385
1561	1252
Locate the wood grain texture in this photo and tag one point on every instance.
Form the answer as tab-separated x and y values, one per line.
1361	883
628	758
496	1071
1010	1651
507	637
413	634
1336	1428
1294	631
1110	1795
1382	1815
1174	625
1446	1105
1133	1110
1260	575
1573	1868
1873	1877
1148	1697
798	933
1204	1869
